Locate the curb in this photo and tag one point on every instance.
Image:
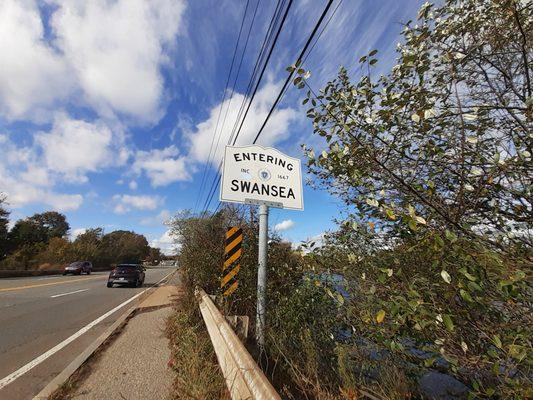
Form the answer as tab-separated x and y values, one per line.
70	369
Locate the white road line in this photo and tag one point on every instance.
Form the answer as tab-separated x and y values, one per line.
66	294
36	361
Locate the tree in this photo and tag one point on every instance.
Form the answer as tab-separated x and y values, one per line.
87	246
39	228
26	232
444	139
52	222
433	160
4	225
123	247
155	255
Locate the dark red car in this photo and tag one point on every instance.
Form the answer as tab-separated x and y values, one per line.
126	274
78	267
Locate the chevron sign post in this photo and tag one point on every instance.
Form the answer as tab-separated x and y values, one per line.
232	255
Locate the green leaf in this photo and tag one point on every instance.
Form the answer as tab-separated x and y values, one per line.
428	362
496	368
452	237
473	286
467	275
390	214
497	341
448	322
372	53
466	296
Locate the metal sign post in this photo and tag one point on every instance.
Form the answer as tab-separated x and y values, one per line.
269	178
262	276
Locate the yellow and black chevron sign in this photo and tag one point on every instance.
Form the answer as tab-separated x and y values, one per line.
232	254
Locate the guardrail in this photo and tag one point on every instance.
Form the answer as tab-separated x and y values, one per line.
9	273
12	273
244	378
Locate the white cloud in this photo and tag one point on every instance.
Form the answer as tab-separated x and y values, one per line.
116	49
74	233
284	225
25	181
162	166
165	243
276	129
20	193
317	241
133	185
32	75
75	147
67	152
126	202
106	54
158	219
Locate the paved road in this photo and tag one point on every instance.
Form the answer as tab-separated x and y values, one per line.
39	313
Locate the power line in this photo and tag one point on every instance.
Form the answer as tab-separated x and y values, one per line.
216	183
238	70
263	69
273	22
298	62
232	139
222	103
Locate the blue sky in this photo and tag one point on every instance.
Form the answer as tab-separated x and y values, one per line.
108	108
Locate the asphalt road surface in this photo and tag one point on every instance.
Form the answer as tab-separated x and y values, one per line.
45	322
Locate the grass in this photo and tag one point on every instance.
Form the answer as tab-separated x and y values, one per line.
197	374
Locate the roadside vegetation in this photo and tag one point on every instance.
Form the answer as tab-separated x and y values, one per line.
41	242
197	374
424	290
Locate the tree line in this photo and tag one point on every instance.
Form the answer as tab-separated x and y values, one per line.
41	242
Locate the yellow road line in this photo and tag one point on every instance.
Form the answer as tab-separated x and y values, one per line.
51	283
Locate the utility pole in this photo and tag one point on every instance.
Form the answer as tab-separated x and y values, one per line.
262	276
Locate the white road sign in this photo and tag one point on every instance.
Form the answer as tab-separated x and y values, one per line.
261	175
